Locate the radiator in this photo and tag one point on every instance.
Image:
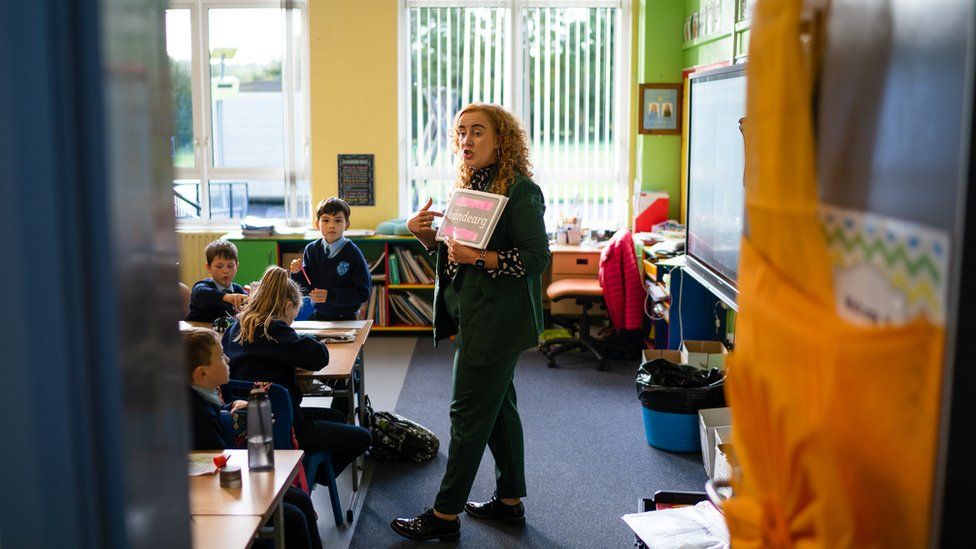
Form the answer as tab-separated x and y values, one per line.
192	258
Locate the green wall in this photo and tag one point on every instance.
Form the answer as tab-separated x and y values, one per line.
662	56
660	29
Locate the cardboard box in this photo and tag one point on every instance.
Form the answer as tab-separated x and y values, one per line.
709	420
287	257
667	354
704	354
724	457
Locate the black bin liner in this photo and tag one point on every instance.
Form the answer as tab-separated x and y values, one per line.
664	386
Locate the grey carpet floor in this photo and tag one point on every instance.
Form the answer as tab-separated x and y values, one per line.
587	462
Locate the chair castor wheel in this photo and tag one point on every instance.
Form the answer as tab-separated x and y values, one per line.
601	364
552	362
349	516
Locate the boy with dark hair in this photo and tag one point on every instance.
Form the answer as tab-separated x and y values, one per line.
209	368
333	270
217	296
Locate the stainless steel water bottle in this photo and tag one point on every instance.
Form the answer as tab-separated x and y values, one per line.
260	438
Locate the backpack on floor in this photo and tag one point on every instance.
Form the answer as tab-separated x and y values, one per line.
398	438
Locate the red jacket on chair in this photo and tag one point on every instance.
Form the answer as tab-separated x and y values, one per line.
621	283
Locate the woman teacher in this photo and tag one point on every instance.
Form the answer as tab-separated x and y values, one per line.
492	300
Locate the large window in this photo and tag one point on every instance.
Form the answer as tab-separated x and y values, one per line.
561	66
239	107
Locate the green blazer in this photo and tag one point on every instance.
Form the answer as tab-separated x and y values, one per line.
502	315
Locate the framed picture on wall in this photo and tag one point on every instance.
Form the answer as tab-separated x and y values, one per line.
660	109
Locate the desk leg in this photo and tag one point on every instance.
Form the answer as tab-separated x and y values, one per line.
279	534
357	394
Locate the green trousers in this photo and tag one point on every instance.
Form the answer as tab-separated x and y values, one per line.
484	412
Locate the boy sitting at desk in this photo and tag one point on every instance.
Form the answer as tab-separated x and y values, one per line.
217	296
333	271
209	368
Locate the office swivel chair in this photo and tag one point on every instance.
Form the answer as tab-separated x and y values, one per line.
587	293
281	427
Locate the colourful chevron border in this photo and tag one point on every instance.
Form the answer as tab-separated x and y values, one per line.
911	258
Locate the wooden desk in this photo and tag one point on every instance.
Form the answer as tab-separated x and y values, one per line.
221	516
571	262
346	362
259	494
223	531
184	324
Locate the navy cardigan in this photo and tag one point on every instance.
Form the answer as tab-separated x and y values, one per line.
207	302
277	360
346	277
207	430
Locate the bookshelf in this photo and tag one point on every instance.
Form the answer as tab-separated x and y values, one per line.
408	286
394	306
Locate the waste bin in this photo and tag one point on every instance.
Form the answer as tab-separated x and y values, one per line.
671	395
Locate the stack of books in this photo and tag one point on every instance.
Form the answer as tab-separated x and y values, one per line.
409	268
256	231
376	268
375	308
412	309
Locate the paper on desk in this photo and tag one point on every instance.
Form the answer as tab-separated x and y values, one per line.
201	464
348	336
316	325
699	526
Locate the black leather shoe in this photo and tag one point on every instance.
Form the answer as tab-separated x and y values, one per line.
428	526
494	509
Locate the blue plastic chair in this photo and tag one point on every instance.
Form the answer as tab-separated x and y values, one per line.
283	419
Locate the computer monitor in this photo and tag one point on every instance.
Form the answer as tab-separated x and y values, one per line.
716	159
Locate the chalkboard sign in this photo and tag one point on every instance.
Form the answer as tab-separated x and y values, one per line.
356	179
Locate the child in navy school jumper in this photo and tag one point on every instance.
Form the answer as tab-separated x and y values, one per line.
262	346
338	277
209	370
217	296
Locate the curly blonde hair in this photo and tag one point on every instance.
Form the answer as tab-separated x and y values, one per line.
513	147
270	301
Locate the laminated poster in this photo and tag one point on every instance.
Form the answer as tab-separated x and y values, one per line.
886	271
471	217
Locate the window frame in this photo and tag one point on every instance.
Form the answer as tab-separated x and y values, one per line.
515	65
204	171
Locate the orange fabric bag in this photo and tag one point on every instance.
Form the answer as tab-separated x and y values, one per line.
835	425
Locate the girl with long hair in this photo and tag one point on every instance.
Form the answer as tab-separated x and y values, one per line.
262	346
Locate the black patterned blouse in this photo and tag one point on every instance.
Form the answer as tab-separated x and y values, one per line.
509	262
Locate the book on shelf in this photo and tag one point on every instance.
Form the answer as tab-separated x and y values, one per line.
394	275
428	269
377	263
406	271
412	268
471	217
424	306
412	309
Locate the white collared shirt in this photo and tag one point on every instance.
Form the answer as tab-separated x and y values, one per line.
332	250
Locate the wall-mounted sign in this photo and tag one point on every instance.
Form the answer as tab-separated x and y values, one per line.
356	179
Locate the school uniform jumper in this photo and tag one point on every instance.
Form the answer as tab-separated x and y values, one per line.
207	301
339	268
207	431
276	360
496	314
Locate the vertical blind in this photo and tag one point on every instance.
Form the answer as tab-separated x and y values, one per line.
557	68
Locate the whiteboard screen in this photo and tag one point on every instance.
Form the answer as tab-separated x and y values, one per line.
715	165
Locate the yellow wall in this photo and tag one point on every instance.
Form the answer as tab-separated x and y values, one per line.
353	65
